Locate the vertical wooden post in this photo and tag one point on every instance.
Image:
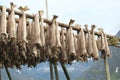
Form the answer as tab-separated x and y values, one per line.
8	73
65	71
0	74
56	71
51	71
50	63
46	9
107	68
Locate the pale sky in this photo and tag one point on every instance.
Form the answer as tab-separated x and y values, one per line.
103	13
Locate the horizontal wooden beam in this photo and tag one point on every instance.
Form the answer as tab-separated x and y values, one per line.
59	23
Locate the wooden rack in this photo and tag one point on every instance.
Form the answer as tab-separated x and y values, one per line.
59	23
65	26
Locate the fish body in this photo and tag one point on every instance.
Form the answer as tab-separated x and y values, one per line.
3	21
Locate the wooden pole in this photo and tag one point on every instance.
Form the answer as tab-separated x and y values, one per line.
8	73
0	74
56	71
65	71
59	23
46	2
51	71
50	63
107	68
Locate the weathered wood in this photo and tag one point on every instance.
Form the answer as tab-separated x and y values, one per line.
56	71
51	71
8	73
46	3
59	23
0	74
106	68
65	71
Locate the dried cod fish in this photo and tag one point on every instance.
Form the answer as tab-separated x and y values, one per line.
99	43
36	31
103	49
32	33
48	51
95	49
42	36
31	49
42	33
55	43
22	34
3	21
36	38
75	42
102	39
89	44
63	54
70	47
11	25
3	36
12	44
107	50
29	29
81	43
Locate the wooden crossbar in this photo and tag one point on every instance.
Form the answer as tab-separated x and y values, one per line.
59	23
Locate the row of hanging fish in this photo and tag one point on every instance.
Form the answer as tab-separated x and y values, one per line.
27	42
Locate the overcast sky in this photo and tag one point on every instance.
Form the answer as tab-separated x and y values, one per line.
103	13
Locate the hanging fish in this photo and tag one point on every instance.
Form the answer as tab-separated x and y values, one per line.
19	28
36	38
70	47
42	33
52	35
3	21
102	43
81	43
36	30
75	42
78	44
31	47
102	39
95	49
107	50
22	34
58	42
11	30
57	32
89	43
11	25
32	33
55	43
63	51
29	29
29	44
83	47
86	38
3	35
48	51
31	40
42	36
99	43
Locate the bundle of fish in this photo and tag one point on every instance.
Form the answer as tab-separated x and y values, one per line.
27	42
70	47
